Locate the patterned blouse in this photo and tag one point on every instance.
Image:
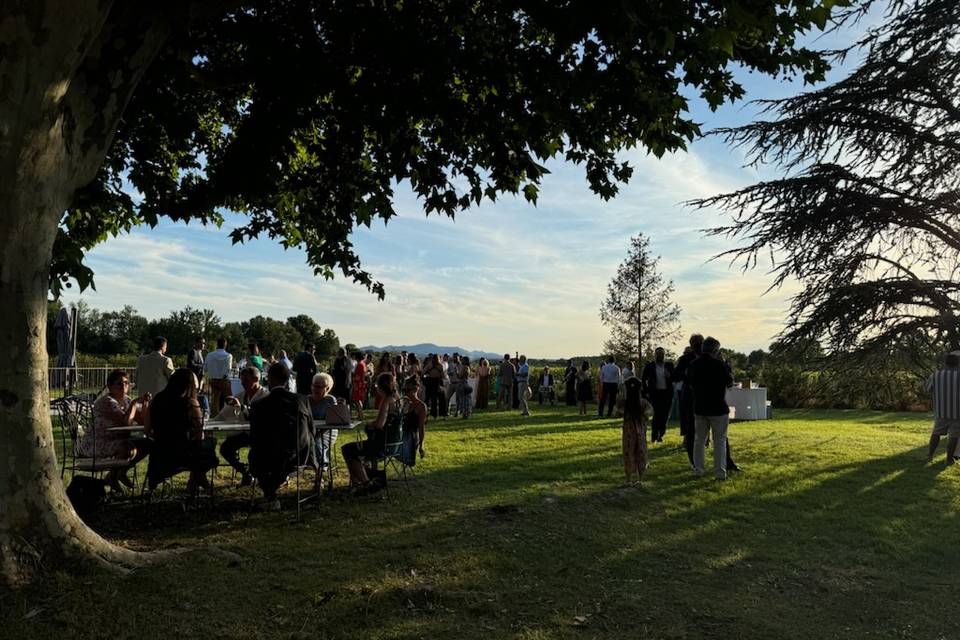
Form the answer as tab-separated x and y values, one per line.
107	412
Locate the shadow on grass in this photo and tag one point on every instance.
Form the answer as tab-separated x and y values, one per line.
853	415
517	542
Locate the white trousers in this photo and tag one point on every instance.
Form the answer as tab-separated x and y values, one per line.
716	426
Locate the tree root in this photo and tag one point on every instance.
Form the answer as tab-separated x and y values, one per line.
23	562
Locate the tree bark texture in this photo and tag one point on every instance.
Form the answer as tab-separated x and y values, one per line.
46	153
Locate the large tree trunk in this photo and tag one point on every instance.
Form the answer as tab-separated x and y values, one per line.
49	145
38	526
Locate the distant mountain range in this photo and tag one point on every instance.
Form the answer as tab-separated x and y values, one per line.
425	348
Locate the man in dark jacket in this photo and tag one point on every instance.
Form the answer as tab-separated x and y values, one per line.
281	435
710	376
195	364
305	366
195	358
657	378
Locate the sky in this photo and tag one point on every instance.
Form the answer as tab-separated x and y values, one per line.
503	277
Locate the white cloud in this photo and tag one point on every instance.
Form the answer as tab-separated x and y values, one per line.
505	276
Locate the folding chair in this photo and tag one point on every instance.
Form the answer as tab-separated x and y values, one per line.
75	417
547	393
301	497
317	485
396	452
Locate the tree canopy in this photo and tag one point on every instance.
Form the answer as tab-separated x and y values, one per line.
305	115
127	333
866	215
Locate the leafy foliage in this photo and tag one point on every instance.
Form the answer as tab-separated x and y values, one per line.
638	309
182	327
270	335
866	217
107	332
125	333
325	340
305	115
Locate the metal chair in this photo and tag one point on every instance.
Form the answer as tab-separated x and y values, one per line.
305	459
548	393
75	417
395	452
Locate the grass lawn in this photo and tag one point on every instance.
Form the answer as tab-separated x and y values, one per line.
518	529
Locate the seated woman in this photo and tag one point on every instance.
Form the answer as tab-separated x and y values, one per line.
379	431
116	409
175	423
320	399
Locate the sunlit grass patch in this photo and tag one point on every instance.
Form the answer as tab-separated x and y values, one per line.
519	529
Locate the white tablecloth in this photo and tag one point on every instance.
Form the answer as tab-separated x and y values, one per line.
473	396
750	404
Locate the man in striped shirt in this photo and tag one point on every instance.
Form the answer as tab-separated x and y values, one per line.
944	385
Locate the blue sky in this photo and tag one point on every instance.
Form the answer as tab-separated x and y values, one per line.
503	277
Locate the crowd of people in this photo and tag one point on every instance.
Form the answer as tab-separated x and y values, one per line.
401	389
698	381
282	432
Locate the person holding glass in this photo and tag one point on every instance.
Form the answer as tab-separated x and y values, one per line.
116	409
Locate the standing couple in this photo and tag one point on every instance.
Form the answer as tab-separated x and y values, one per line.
703	377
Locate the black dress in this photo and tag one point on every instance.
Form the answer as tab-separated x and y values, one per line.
686	394
584	388
178	442
341	378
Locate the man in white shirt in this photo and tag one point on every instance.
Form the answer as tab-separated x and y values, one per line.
154	368
218	365
657	379
610	384
523	383
288	363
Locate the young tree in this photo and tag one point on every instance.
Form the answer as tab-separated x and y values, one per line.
638	309
303	115
867	215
